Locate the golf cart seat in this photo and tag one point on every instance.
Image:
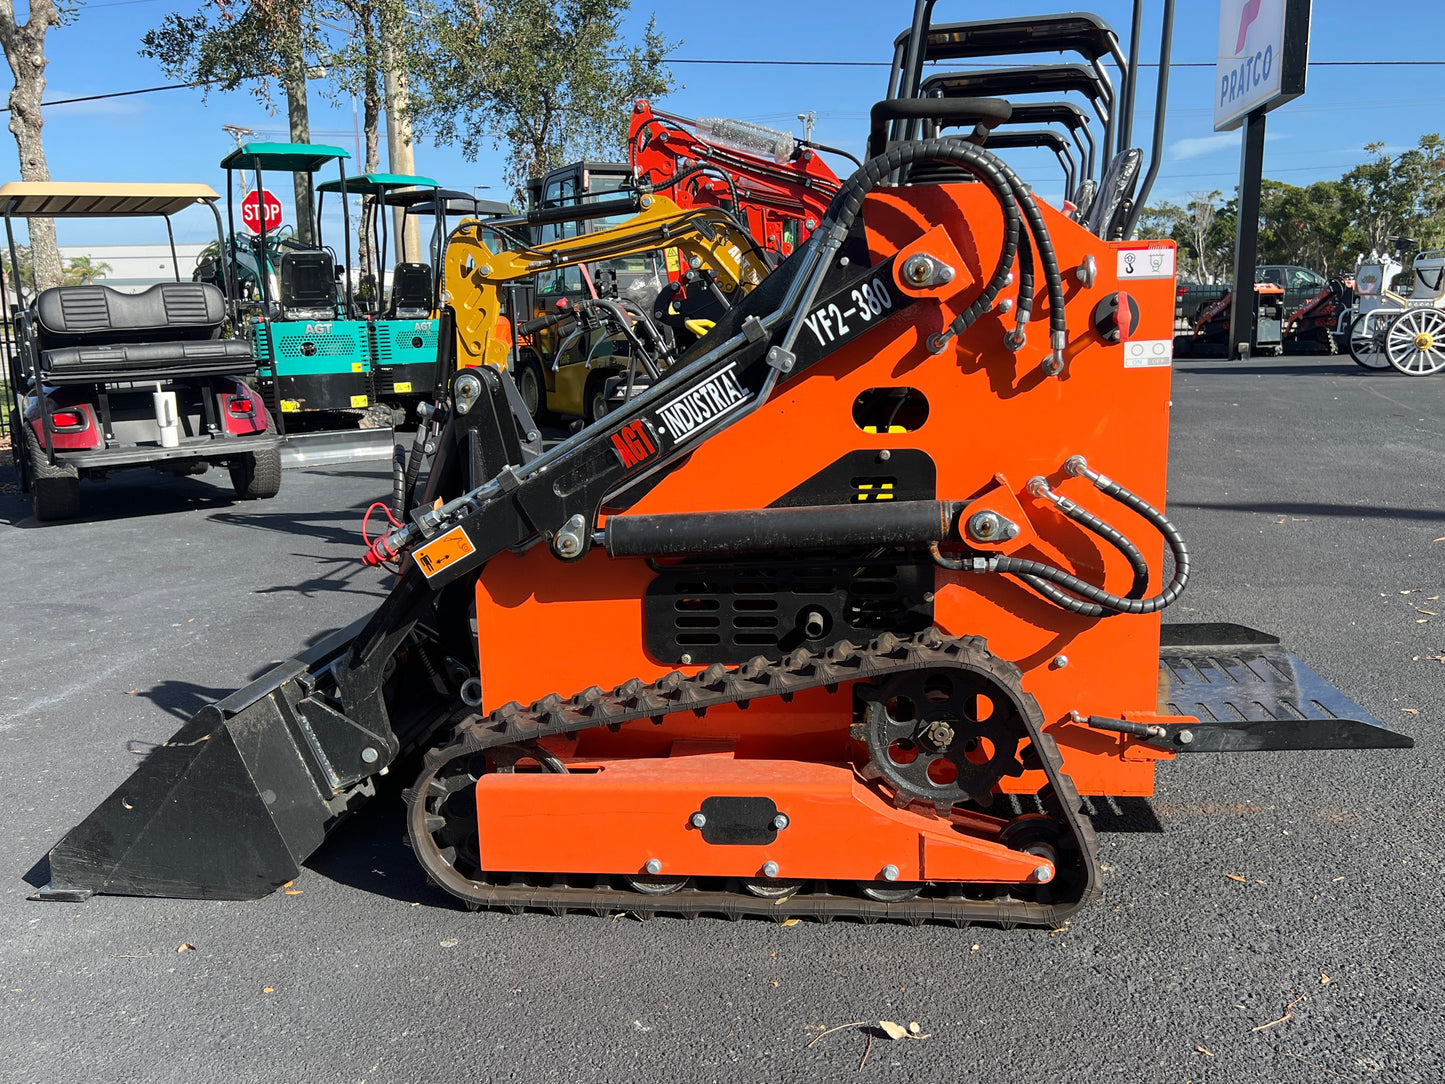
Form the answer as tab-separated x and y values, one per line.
89	333
308	285
411	291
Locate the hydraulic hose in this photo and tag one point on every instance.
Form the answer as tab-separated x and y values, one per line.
986	167
1077	595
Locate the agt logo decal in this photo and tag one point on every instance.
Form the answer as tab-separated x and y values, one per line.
633	444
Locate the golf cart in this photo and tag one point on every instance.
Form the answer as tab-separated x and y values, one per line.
102	380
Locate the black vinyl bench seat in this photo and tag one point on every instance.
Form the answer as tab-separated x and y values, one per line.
172	329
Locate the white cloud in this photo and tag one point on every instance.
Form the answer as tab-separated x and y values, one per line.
1195	148
109	107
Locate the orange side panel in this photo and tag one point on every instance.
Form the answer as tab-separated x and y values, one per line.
546	626
616	816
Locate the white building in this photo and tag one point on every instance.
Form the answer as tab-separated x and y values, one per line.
134	267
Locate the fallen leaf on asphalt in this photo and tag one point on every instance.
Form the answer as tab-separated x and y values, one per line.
1324	980
1203	1051
1432	613
130	692
1411	711
898	1031
1235	877
450	943
187	947
640	1026
1440	539
293	892
791	921
269	990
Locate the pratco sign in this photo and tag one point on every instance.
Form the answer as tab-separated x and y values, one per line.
1263	53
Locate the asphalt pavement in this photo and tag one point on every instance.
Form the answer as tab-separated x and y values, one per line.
1268	917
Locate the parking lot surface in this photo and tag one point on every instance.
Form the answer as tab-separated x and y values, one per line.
1273	917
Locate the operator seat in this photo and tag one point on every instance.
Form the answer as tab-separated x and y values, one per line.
411	292
308	286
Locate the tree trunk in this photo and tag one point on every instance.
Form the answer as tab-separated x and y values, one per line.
24	47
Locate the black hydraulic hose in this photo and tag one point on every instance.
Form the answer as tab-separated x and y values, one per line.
847	204
1090	522
1077	595
1049	260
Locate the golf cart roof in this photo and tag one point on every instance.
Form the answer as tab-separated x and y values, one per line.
64	199
287	157
369	184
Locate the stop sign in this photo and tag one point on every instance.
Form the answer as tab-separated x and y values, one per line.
251	210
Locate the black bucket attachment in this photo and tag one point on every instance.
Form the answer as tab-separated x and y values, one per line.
235	801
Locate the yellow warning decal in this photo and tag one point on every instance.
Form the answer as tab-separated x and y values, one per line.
356	367
290	406
402	386
360	401
669	257
441	552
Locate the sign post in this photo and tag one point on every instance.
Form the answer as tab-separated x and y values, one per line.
252	206
1261	63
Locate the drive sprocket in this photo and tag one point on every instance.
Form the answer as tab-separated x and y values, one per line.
945	737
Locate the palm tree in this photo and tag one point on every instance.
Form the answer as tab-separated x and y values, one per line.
82	271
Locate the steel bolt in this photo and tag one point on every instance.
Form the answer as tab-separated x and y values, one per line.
1006	305
884	456
918	269
890	873
940	734
653	866
781	821
370	755
1060	661
770	869
686	658
697	820
1043	874
1186	737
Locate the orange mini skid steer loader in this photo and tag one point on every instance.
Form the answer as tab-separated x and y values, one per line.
870	584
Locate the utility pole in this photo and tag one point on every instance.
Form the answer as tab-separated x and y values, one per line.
239	133
808	118
399	138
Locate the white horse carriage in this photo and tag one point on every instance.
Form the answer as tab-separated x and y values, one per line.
1390	329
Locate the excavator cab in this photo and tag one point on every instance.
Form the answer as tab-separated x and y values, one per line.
400	306
313	350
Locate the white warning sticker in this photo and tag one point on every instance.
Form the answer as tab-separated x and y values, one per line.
1146	263
1148	353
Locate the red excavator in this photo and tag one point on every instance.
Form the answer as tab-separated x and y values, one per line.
842	617
777	185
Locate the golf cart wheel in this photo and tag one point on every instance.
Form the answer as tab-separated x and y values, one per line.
595	402
256	475
1365	349
54	489
532	387
22	461
1415	342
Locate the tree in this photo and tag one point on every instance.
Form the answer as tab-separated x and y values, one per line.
82	271
24	45
552	79
1403	196
223	48
1198	224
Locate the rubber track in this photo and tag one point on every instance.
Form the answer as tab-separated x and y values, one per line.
743	685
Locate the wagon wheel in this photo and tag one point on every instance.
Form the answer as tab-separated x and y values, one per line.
1366	343
1416	342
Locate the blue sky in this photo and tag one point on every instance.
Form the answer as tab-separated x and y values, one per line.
176	136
